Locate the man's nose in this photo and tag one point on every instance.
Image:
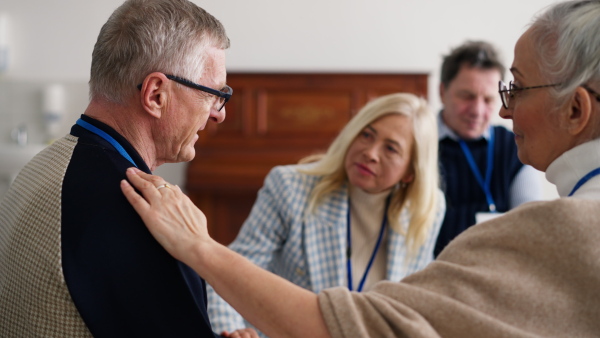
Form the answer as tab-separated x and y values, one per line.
479	106
218	116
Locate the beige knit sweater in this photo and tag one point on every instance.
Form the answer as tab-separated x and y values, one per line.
534	272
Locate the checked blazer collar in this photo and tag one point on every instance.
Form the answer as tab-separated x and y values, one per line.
325	243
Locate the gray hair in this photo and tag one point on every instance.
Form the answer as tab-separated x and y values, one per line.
567	39
477	54
145	36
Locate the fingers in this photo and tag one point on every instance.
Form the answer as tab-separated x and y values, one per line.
155	181
142	182
150	186
241	333
138	202
172	218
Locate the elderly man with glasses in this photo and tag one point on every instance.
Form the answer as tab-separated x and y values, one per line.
75	258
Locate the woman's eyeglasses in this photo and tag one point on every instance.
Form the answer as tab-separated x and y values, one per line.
507	94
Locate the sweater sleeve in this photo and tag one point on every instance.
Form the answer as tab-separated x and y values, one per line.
532	272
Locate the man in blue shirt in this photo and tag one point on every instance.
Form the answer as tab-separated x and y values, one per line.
481	173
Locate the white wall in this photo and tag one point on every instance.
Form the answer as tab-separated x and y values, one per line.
51	41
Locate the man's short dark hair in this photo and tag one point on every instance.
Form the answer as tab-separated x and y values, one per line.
478	54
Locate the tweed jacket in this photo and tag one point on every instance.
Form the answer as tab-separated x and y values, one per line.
533	272
76	259
308	249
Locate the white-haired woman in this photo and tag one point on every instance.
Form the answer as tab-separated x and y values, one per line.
369	209
533	272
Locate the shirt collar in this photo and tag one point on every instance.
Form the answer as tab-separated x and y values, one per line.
567	169
445	131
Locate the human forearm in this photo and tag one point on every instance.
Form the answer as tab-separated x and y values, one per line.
222	316
274	305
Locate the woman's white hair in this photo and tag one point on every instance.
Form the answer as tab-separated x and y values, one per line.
421	195
566	38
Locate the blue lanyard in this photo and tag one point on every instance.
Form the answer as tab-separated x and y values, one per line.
349	248
584	179
107	137
485	185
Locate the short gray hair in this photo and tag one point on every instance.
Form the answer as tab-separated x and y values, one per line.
567	39
145	36
476	54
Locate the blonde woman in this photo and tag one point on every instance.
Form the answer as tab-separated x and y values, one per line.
367	210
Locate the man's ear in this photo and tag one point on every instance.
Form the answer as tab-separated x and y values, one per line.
155	93
579	111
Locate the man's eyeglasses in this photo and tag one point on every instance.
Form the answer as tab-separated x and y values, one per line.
507	94
222	95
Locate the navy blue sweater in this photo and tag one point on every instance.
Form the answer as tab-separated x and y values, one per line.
464	195
123	283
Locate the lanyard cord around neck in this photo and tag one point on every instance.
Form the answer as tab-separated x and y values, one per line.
108	138
349	247
584	179
485	185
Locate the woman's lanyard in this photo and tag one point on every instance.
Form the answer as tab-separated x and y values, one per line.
349	248
485	185
584	179
108	138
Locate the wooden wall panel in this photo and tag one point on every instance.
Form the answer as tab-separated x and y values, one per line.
275	119
291	112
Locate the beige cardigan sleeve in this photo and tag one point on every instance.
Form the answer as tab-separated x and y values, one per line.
533	272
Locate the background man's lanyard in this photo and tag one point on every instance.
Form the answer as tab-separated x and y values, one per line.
349	248
485	185
107	137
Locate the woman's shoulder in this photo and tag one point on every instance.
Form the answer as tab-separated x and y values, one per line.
293	174
292	171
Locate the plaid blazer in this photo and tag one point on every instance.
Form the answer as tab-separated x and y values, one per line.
308	249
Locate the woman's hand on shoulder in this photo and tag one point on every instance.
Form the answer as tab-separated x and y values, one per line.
172	218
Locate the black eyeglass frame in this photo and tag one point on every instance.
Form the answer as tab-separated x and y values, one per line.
225	95
510	90
503	89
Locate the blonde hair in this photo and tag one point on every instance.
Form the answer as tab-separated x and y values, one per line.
420	196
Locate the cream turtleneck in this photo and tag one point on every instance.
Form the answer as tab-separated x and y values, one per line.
366	215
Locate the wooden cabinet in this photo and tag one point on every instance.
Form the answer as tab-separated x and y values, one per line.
275	119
